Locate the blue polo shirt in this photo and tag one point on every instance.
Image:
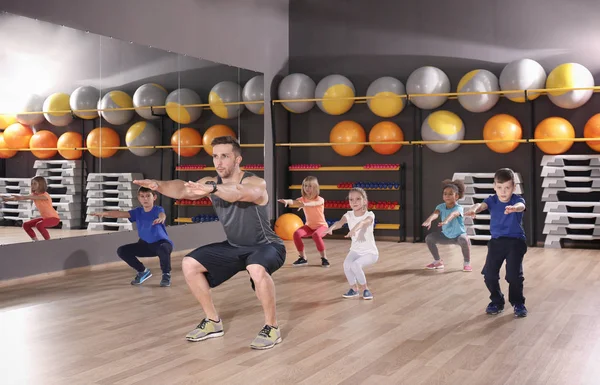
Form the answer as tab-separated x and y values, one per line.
505	225
456	227
146	230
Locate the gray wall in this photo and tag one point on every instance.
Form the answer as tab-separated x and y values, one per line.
364	42
251	34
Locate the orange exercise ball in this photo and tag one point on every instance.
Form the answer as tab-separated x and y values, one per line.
186	136
7	120
386	132
554	127
70	140
43	139
102	137
286	225
17	135
347	131
5	151
214	132
592	130
502	126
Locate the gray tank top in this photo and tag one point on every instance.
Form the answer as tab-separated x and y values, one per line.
245	223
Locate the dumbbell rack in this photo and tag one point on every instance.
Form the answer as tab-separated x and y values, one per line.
65	181
478	186
571	192
107	192
15	210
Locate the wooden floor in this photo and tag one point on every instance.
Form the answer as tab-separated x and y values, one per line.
15	234
423	327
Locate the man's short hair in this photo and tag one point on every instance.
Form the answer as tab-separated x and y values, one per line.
228	140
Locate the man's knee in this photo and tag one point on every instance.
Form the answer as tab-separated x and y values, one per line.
257	272
190	266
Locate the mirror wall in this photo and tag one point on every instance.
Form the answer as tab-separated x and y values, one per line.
104	122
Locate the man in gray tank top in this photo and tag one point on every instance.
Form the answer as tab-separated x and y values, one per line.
240	201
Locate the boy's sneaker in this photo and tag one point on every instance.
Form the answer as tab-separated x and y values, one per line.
166	280
268	337
205	330
141	277
467	268
367	294
325	262
435	265
350	293
494	308
520	310
301	261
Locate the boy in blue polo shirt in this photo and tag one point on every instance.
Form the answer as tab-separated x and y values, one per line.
508	243
154	240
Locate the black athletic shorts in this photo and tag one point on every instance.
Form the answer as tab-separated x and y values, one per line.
222	260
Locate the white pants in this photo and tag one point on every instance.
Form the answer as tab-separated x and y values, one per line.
353	265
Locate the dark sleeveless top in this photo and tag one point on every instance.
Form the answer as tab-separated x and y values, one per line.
245	223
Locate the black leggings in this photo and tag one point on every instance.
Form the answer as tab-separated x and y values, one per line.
162	249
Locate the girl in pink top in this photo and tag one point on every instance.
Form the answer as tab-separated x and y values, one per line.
316	225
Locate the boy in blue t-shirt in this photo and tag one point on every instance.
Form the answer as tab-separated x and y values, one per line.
452	224
508	242
154	240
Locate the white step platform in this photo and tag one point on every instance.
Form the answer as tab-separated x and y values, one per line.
565	160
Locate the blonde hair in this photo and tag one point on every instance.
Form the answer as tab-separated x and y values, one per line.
362	193
42	184
315	183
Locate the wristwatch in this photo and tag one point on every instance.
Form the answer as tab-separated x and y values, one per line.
214	184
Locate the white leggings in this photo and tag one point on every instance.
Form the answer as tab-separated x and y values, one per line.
353	265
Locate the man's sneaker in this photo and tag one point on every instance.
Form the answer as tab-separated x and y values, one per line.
205	330
467	268
435	265
268	337
140	277
520	310
325	262
350	293
367	294
494	308
166	280
300	262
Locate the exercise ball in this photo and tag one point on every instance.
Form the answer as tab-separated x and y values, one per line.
17	136
522	74
57	110
226	92
428	80
254	90
478	81
297	86
143	134
386	132
7	120
388	89
175	106
5	151
214	132
186	136
102	137
570	75
502	126
554	127
70	140
347	131
149	95
43	139
85	98
286	225
443	125
332	88
592	130
116	99
33	103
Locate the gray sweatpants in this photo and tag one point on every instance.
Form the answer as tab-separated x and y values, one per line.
433	239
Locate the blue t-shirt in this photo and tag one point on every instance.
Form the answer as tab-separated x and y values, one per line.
505	225
146	230
455	227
